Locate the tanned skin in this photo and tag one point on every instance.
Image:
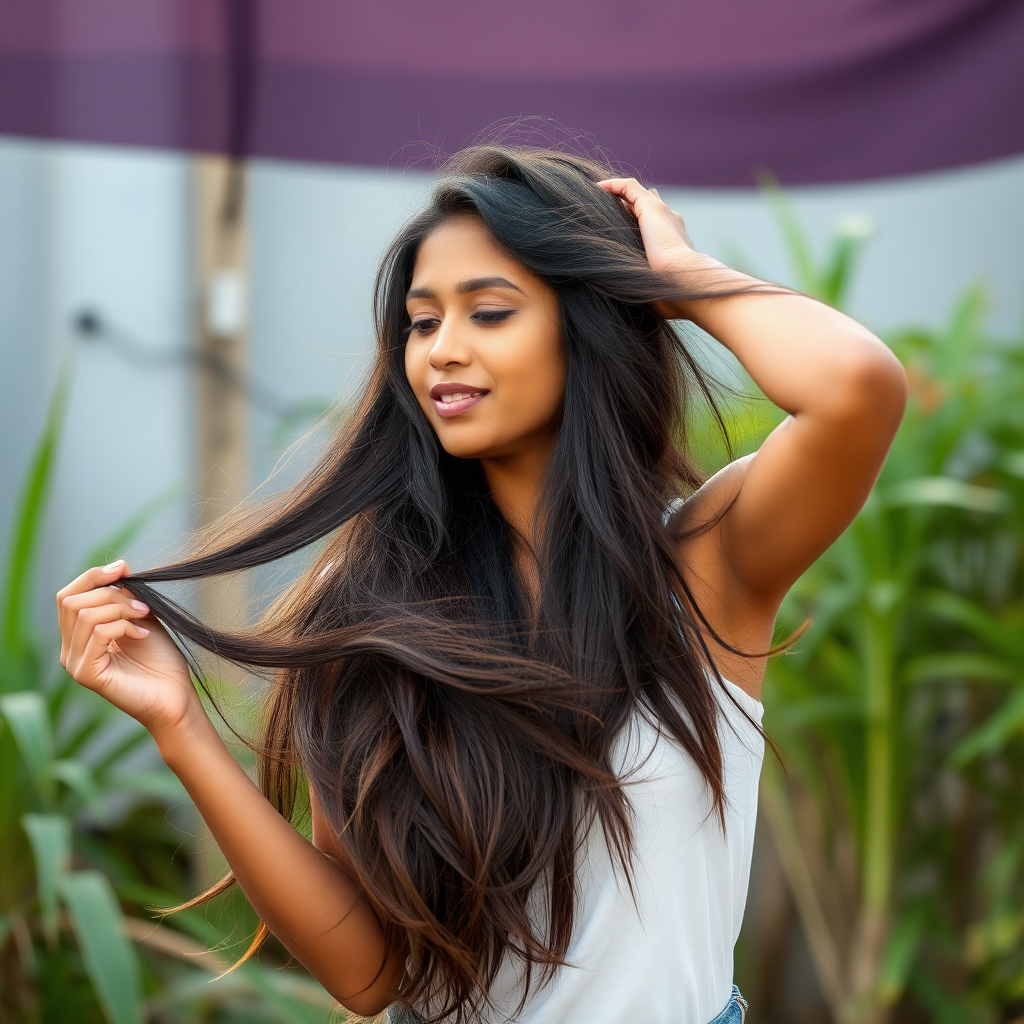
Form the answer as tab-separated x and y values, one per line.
845	394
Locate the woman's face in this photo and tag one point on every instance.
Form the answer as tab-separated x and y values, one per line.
484	356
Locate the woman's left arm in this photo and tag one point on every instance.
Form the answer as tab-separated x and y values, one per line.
844	390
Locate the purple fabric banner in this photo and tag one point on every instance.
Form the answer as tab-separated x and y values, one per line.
693	92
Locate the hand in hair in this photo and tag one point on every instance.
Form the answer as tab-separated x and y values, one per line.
303	896
774	512
666	241
105	647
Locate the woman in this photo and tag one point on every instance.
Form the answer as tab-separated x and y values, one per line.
520	676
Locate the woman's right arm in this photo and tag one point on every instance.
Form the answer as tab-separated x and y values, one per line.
317	910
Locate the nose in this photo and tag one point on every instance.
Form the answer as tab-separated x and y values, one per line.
449	348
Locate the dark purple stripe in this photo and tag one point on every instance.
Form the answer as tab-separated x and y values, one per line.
954	95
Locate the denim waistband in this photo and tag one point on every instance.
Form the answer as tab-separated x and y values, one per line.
735	1011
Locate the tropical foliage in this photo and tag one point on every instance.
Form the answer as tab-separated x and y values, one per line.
900	713
92	825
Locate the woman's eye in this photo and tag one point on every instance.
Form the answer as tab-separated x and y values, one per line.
424	326
492	316
428	325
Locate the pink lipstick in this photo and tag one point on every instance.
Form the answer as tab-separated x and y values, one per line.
453	397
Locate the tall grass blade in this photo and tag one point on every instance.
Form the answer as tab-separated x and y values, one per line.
49	835
945	491
799	251
991	737
28	521
110	959
79	779
27	718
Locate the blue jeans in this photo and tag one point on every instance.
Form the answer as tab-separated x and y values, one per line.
735	1012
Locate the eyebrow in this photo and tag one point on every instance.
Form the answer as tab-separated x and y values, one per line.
476	284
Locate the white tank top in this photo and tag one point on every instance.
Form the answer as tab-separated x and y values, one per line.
668	958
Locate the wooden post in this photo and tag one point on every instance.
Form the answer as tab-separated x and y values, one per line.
222	322
221	412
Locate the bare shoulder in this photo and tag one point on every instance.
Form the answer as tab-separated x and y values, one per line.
742	622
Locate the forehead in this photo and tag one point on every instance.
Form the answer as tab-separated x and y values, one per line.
460	248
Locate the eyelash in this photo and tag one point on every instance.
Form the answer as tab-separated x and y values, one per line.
484	316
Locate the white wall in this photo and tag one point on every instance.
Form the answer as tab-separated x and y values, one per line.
110	228
89	227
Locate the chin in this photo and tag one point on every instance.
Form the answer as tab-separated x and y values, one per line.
462	445
464	451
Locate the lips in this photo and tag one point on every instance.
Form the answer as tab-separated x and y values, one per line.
454	397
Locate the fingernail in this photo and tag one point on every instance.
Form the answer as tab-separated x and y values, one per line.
143	630
140	607
114	566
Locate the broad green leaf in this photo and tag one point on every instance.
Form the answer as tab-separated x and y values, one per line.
957	353
28	720
77	777
945	491
26	528
816	711
95	713
163	784
990	737
109	956
50	838
962	666
899	955
852	231
1013	462
978	620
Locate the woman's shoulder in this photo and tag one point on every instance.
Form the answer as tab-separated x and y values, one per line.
743	622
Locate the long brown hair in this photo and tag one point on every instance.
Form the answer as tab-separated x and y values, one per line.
460	748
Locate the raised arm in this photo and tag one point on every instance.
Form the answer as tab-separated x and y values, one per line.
111	645
845	393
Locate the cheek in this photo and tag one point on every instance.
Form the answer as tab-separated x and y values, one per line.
539	373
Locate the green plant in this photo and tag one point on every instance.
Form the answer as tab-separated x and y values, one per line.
900	713
68	950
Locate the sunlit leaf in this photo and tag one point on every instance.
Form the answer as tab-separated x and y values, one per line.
28	720
1013	462
109	956
77	777
49	835
945	491
995	937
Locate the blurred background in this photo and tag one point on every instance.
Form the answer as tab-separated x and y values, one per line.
193	199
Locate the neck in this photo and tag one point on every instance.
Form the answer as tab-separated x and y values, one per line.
515	482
